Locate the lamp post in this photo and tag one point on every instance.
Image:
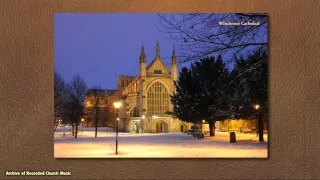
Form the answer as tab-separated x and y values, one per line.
117	106
256	107
82	120
203	121
260	122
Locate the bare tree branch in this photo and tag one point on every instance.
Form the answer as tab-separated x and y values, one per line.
59	88
97	103
76	91
199	35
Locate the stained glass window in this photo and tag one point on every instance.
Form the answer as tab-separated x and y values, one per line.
158	99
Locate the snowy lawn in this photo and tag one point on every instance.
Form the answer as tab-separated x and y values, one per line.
161	145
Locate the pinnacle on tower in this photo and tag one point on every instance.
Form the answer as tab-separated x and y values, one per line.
142	50
142	55
158	50
174	58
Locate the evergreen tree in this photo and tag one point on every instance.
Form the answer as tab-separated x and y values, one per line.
249	86
184	107
200	92
209	91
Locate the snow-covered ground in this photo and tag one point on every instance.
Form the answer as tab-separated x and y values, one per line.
161	145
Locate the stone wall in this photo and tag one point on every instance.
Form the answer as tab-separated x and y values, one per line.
150	125
236	124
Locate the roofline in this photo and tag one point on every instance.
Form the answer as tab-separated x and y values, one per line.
135	79
160	61
104	90
126	76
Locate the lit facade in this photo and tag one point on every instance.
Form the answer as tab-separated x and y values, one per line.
146	105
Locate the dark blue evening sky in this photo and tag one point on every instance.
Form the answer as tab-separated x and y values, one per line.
99	47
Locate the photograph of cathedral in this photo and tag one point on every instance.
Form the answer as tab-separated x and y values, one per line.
146	101
161	85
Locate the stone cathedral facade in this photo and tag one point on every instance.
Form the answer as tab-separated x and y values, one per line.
146	105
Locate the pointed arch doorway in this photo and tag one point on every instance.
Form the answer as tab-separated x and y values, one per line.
161	127
183	128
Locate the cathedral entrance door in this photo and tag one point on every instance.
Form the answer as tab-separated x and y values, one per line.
161	127
183	128
157	128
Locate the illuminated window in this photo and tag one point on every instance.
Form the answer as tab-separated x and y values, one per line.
134	87
88	104
158	99
134	112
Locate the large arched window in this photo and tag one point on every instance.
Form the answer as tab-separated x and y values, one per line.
158	99
134	112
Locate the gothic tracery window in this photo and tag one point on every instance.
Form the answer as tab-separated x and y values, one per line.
158	99
134	112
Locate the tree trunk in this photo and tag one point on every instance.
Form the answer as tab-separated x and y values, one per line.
96	123
72	128
260	123
76	124
212	128
76	133
72	121
96	129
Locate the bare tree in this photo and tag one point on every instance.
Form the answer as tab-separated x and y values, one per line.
59	88
76	92
199	35
97	101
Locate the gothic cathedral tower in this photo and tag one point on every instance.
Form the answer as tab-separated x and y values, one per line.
142	81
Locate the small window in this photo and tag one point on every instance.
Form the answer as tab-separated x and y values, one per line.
157	71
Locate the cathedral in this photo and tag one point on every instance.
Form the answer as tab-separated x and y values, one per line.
146	105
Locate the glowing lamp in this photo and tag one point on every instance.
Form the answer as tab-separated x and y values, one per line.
117	105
